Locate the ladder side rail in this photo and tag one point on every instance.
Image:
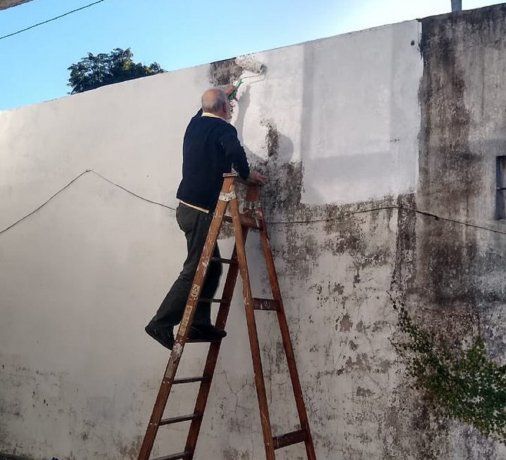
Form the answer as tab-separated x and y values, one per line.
182	334
212	356
252	332
285	335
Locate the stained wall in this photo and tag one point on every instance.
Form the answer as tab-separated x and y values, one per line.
364	137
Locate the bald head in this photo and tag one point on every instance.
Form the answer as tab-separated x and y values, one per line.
214	100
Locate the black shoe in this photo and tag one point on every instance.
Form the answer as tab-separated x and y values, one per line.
164	336
205	332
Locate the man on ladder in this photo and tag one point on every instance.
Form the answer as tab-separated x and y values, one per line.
210	149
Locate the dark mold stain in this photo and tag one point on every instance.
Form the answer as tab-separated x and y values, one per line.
440	266
345	324
224	72
131	450
342	225
364	392
271	138
403	269
450	262
233	454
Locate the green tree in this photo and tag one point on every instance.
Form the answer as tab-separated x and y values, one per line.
103	69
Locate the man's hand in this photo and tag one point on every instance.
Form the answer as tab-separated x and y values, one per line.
229	89
255	176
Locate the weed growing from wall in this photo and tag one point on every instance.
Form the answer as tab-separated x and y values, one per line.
463	384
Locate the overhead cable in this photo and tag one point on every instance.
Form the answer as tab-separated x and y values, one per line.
274	222
49	20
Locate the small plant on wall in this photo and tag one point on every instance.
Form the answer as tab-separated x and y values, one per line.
463	384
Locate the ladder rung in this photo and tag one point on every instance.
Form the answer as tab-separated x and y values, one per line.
265	304
211	300
181	418
203	341
224	261
288	439
246	221
180	455
189	380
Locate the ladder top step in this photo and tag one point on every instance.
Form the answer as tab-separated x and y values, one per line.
181	418
288	439
265	304
180	455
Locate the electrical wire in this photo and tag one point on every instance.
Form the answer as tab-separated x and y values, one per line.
289	222
67	185
44	203
130	192
397	207
49	20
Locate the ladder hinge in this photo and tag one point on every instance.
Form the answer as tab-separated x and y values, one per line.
227	196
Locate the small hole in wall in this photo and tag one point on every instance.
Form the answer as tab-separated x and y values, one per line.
500	197
412	43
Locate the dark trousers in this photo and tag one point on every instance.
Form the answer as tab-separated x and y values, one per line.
195	225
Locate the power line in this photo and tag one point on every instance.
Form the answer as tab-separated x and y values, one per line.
290	222
66	186
49	20
45	202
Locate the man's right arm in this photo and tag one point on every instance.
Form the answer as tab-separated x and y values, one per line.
234	151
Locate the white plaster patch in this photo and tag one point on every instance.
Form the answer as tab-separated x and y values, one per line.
361	115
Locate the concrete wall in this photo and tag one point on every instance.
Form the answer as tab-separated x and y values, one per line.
456	283
336	125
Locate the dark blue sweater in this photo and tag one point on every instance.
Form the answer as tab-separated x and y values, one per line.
210	149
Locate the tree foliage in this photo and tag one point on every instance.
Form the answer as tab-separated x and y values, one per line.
103	69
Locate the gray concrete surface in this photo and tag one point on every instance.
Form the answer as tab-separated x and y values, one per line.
365	137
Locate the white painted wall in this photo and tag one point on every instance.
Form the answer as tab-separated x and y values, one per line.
361	114
80	278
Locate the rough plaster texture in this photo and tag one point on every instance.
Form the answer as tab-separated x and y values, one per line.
456	283
341	126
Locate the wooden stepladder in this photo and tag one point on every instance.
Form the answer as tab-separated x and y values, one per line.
250	218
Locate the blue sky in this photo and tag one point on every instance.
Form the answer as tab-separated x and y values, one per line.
174	33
